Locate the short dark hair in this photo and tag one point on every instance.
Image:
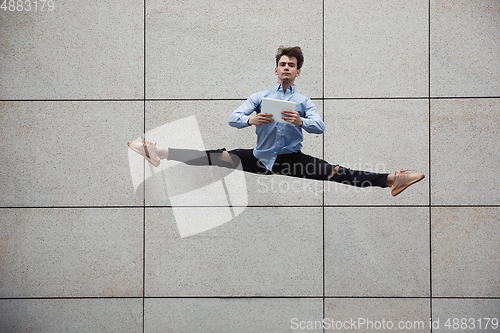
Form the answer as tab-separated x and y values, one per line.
290	52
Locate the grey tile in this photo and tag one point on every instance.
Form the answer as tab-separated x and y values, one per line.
71	315
466	315
465	247
465	53
78	50
376	49
378	136
203	125
261	252
68	153
219	49
379	252
464	151
71	252
378	315
230	314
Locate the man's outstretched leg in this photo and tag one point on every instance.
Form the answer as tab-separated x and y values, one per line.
305	166
154	154
398	182
234	159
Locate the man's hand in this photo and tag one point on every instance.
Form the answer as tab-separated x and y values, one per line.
261	119
292	117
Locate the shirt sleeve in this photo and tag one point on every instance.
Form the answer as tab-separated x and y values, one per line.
312	123
239	117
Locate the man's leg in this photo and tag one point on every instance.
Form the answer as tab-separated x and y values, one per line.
234	159
359	178
305	166
301	165
398	181
237	158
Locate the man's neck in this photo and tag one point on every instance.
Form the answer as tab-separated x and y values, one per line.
285	85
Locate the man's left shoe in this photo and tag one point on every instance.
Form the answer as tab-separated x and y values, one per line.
404	178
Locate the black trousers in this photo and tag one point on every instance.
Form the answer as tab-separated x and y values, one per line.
295	165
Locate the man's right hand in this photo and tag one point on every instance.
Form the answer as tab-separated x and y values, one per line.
261	119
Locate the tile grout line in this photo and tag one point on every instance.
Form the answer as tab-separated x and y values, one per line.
243	99
323	153
144	188
430	161
265	206
250	297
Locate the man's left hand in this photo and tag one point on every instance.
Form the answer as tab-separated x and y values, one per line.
292	117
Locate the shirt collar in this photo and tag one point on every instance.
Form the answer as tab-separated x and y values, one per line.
278	87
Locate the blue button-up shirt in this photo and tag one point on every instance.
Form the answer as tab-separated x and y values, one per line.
278	138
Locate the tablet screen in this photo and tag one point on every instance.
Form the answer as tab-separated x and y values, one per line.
275	107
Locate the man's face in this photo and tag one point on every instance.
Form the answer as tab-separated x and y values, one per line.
287	69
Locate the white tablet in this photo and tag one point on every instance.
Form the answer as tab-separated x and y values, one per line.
275	107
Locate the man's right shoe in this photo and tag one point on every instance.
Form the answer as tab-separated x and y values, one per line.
146	149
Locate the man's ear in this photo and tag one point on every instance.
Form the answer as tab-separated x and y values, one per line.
276	71
298	73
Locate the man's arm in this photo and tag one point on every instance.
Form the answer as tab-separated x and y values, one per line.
312	123
240	117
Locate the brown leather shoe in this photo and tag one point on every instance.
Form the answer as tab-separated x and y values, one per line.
146	149
404	179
